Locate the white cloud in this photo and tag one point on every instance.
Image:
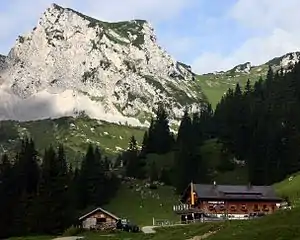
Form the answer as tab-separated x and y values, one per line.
275	23
267	14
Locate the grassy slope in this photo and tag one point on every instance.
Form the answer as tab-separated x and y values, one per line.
211	153
140	204
215	85
290	188
75	134
283	225
132	199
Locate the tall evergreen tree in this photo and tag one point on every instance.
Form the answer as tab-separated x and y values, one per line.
54	200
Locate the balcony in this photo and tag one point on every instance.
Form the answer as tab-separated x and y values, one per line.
185	208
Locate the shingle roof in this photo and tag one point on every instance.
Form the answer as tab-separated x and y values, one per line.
207	191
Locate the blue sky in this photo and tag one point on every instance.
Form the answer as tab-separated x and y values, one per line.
210	35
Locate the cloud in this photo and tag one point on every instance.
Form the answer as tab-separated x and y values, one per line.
257	50
267	14
275	31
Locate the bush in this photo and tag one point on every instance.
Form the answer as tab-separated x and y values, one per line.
72	231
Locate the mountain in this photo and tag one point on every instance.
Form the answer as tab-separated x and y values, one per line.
2	61
71	64
215	85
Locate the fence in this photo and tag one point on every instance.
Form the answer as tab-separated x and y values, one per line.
166	222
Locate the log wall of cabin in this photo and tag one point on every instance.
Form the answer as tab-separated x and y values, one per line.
237	207
91	221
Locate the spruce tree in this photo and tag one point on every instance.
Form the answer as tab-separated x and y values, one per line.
6	193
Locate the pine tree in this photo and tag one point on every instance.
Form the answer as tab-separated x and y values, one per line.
145	144
6	193
153	172
133	165
54	196
163	140
188	162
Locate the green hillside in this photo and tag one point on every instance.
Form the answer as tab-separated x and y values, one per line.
74	133
137	202
214	86
290	188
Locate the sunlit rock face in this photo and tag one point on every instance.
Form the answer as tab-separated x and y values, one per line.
71	63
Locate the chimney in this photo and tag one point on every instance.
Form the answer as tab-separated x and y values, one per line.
249	185
215	184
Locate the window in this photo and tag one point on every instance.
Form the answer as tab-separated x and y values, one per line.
244	208
256	207
233	208
211	208
265	208
101	220
222	208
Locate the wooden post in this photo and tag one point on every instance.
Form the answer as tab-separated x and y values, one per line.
192	194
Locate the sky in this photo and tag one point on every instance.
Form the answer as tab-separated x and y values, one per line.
209	35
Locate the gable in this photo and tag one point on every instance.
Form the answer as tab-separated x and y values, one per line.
98	212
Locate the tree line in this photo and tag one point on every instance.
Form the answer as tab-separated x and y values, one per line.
187	164
261	124
44	196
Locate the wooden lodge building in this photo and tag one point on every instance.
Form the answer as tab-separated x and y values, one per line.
227	201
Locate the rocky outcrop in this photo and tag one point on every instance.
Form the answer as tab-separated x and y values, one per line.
242	68
286	61
2	62
72	64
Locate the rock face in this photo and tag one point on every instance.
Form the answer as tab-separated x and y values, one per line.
2	61
71	64
242	68
286	61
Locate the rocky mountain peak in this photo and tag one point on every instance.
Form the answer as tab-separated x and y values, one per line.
111	71
285	61
242	68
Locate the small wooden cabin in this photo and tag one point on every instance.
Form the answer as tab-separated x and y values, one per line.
98	219
229	201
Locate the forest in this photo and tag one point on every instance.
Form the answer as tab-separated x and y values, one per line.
259	124
32	188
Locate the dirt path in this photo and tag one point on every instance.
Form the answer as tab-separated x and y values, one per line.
148	229
204	236
68	238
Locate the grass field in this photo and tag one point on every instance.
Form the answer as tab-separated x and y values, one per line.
167	233
283	225
290	188
141	204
